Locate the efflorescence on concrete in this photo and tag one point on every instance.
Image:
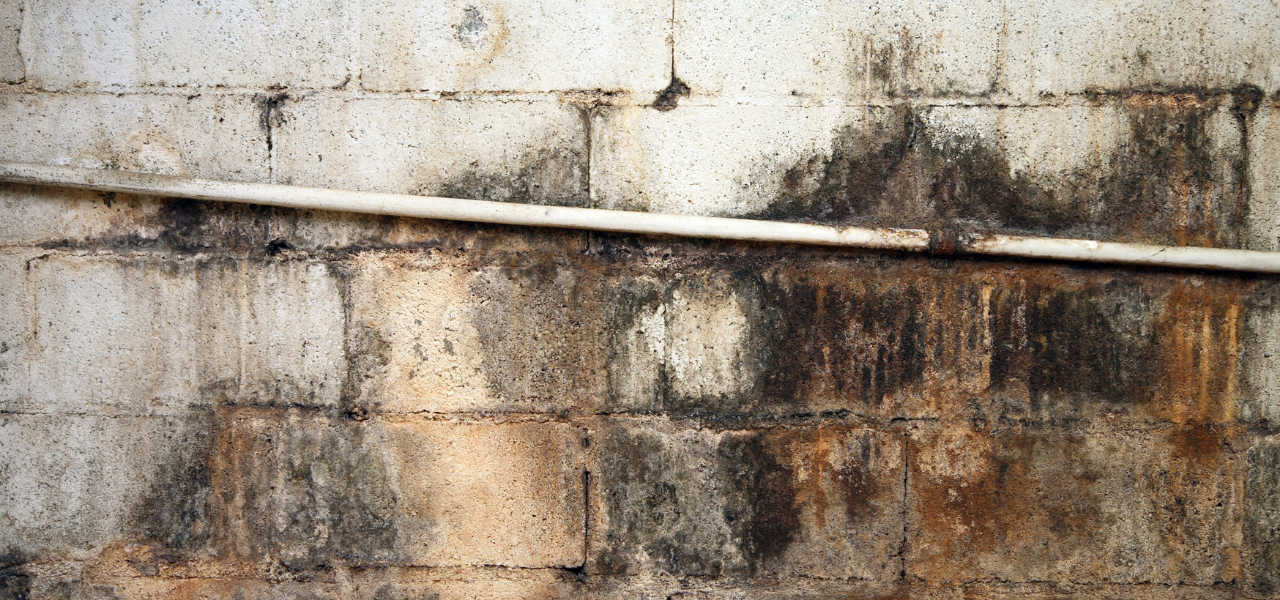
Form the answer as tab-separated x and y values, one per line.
207	400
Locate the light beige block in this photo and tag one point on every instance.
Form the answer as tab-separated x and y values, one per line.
119	44
12	69
15	326
440	335
507	151
494	45
131	334
1055	48
212	136
72	484
140	334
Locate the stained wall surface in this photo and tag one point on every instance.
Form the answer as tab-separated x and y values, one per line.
204	400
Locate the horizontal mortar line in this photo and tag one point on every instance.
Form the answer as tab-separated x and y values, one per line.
628	99
936	243
235	412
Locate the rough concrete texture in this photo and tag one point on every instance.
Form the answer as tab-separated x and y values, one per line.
118	44
214	136
12	69
1164	168
534	153
1023	52
211	400
819	502
547	45
1159	506
136	334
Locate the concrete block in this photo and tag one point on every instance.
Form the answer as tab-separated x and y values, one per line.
292	344
818	503
1038	343
1163	168
812	52
143	334
205	588
311	490
1160	506
212	136
673	161
546	45
131	334
1263	146
38	215
815	52
114	44
439	335
1262	515
15	326
534	153
12	69
1051	49
73	484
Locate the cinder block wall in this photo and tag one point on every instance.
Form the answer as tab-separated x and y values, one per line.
200	400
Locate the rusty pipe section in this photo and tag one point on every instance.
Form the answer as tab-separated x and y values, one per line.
483	211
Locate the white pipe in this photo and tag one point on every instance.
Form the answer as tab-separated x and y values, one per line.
454	209
906	240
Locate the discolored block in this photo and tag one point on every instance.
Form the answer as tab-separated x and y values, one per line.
239	43
214	135
815	502
1157	168
1049	49
441	335
1106	506
814	52
1262	515
526	152
75	483
1039	343
309	490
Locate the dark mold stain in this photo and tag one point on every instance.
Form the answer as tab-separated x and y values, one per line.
321	477
300	488
837	338
176	515
1039	344
194	225
670	96
15	583
646	483
734	503
270	117
1262	516
536	327
1167	184
277	246
549	176
761	510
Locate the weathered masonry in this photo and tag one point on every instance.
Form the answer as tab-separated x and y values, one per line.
207	400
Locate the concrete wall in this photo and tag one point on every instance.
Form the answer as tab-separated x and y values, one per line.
216	401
